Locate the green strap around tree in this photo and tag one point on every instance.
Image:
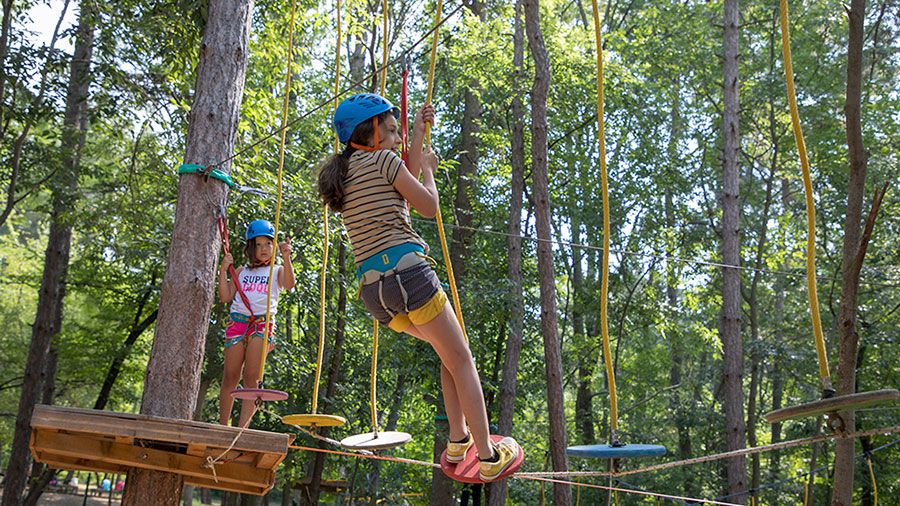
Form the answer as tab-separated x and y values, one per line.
190	168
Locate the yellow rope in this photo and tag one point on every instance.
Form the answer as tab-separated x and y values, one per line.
872	473
604	284
337	145
806	494
434	41
374	376
440	222
810	205
284	115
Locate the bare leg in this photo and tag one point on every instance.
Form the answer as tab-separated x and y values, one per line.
252	365
452	405
444	334
231	375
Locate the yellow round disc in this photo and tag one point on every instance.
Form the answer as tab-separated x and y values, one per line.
313	420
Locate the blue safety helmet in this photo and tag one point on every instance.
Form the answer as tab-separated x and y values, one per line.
260	228
358	108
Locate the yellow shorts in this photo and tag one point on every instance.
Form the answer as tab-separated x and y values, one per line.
424	314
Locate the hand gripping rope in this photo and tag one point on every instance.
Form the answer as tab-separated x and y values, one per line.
440	222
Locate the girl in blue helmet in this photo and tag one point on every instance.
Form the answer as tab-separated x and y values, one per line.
370	186
245	331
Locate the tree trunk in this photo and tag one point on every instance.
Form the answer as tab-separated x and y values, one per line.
468	170
675	372
852	257
513	241
173	372
48	319
441	485
731	277
753	302
334	373
777	379
137	328
497	491
562	494
816	449
44	474
4	51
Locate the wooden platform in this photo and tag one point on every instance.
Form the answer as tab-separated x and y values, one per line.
105	441
834	404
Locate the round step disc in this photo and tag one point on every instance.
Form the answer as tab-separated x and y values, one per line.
313	420
376	441
251	394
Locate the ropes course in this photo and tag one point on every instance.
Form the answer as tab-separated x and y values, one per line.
553	477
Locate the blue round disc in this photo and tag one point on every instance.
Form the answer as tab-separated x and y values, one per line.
615	452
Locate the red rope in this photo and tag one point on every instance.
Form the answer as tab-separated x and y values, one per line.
223	231
404	118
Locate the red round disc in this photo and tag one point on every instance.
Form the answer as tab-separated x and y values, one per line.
467	471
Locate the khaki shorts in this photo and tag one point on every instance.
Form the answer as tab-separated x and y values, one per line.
409	296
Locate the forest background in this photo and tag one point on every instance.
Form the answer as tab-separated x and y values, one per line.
664	106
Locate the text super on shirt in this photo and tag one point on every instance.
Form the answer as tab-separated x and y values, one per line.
375	214
254	282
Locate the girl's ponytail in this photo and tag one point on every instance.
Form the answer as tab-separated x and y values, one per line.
334	169
331	180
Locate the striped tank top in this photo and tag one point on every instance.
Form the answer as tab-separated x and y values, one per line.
375	214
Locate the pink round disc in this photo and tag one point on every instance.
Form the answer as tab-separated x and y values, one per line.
467	471
251	394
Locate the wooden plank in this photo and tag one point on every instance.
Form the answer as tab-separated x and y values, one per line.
839	403
268	460
126	425
195	449
109	452
78	464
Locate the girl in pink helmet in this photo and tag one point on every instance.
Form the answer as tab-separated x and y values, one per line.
245	333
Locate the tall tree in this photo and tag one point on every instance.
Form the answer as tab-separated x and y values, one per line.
470	151
498	491
853	252
562	494
48	319
731	256
334	373
173	371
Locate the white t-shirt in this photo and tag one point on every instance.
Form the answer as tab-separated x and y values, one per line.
254	282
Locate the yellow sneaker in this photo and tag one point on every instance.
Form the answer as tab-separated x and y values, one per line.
507	449
456	452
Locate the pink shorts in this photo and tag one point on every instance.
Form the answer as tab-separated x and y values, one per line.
238	329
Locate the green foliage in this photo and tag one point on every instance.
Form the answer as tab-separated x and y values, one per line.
662	104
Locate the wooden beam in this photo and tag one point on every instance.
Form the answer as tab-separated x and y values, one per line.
126	425
149	458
